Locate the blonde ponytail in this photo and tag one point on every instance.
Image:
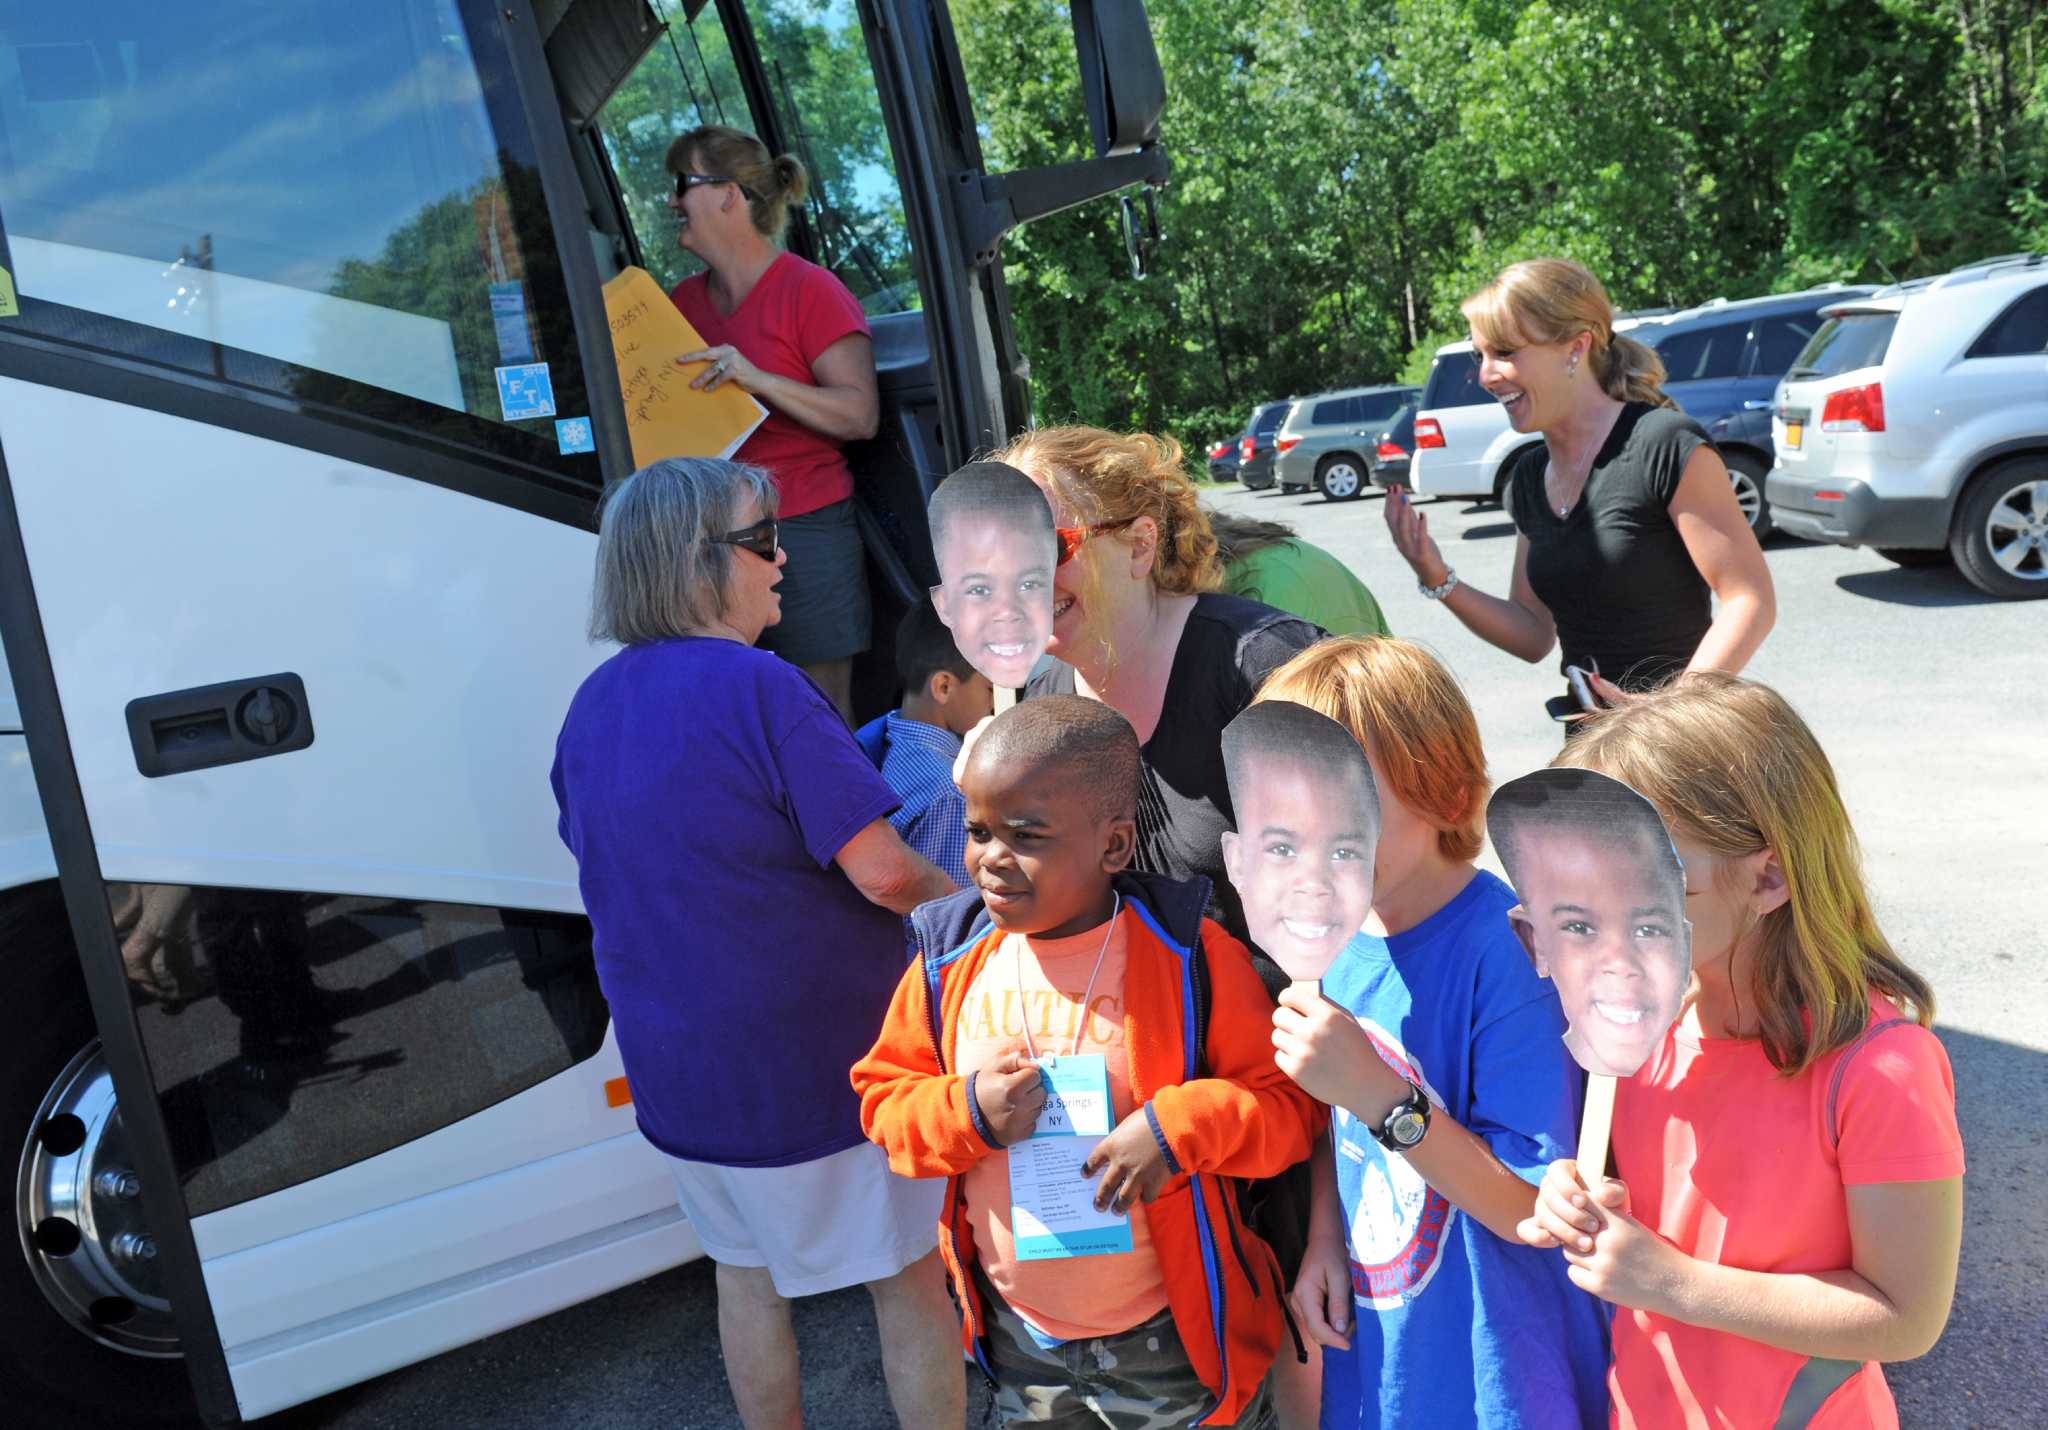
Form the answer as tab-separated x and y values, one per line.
1630	371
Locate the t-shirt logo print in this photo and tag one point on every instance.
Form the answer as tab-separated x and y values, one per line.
1397	1235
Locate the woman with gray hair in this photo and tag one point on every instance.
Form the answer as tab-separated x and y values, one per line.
744	885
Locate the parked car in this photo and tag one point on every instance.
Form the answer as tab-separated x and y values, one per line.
1223	459
1255	447
1916	422
1464	445
1722	363
1326	442
1393	447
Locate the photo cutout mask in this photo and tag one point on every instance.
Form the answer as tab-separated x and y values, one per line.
1308	826
1602	911
994	541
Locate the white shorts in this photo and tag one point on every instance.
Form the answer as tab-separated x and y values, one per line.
817	1226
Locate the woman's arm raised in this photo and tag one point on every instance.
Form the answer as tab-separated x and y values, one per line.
1521	625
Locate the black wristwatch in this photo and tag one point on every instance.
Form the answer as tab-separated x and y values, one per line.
1407	1123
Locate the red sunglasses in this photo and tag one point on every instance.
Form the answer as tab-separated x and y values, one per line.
1073	537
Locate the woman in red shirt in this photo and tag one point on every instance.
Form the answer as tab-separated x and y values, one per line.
789	333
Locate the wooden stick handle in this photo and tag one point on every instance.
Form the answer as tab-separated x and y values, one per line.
1594	1128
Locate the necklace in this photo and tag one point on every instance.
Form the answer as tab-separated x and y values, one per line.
1116	900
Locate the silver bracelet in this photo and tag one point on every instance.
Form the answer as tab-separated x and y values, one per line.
1437	593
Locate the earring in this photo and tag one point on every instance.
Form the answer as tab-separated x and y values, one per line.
1571	367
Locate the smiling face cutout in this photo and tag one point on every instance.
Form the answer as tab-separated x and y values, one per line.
993	539
1602	910
1308	821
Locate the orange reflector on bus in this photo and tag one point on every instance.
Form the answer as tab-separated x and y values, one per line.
616	1093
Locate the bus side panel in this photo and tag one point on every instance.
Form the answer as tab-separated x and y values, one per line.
411	846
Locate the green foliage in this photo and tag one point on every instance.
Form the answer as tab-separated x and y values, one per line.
1347	171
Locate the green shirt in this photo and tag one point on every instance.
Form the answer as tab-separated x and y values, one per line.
1308	582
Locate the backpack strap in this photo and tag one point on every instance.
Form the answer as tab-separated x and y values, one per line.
1842	1068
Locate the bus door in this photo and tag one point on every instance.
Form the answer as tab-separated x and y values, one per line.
305	402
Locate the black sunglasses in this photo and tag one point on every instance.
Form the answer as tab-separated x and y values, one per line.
763	538
687	182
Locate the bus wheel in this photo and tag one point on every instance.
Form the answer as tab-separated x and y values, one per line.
85	1329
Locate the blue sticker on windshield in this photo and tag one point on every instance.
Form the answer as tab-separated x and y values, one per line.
525	391
572	434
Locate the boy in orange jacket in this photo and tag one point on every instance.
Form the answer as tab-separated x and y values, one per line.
1058	965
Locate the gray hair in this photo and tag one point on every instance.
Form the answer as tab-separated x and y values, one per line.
660	573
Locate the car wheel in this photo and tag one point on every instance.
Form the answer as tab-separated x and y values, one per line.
2000	538
88	1336
1913	555
1341	477
1746	475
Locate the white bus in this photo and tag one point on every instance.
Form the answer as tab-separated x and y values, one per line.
306	399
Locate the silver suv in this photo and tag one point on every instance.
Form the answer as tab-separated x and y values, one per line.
1916	422
1327	441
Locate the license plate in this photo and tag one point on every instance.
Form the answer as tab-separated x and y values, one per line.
1794	431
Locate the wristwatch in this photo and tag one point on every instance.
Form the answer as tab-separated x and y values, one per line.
1407	1123
1437	593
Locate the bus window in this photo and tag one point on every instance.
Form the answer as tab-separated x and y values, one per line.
337	204
826	110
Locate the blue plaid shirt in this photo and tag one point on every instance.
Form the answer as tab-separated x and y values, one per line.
933	817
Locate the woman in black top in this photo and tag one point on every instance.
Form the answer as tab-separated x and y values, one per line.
1139	624
1627	525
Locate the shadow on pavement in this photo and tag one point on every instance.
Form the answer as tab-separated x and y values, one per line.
1987	1368
1916	586
1488	532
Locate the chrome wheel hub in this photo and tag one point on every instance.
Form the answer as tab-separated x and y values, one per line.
1748	495
2016	531
1341	480
78	1210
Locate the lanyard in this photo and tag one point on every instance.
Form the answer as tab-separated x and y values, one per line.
1115	906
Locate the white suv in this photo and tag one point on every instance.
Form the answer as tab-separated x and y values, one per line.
1916	422
1464	446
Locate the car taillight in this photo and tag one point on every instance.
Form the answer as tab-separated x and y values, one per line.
1246	447
1284	445
1216	452
1390	451
1854	409
1428	433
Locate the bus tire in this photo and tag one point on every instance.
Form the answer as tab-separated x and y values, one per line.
56	1374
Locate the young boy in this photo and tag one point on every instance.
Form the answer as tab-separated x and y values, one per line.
1308	818
996	547
1055	958
1603	909
1439	1051
943	698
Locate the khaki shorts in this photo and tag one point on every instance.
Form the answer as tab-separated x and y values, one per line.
840	1220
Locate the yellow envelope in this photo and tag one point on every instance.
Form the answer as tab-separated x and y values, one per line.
665	416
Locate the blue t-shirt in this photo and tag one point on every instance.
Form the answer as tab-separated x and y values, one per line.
705	788
1452	1325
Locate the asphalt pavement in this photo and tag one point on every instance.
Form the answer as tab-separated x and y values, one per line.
1932	701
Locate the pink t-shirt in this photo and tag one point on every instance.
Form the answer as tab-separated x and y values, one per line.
1076	1297
790	316
1738	1165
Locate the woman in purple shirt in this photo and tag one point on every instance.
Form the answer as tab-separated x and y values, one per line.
745	887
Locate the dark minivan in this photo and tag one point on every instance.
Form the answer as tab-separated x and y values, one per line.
1722	362
1255	447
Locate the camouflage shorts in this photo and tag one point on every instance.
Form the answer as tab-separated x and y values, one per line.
1139	1379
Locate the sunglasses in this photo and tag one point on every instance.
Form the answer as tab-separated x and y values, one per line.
763	538
1072	538
687	182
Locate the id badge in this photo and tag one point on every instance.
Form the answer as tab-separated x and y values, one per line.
1052	1206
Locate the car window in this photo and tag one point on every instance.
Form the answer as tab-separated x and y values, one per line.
1702	353
1268	419
1332	412
1846	343
2020	330
1779	341
1453	382
1379	407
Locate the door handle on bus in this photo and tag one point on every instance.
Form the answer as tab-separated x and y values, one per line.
221	724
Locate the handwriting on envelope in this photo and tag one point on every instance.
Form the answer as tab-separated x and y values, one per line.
665	416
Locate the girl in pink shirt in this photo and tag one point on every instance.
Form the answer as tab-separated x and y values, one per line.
1788	1203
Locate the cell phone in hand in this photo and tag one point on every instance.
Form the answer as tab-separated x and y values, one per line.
1582	688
